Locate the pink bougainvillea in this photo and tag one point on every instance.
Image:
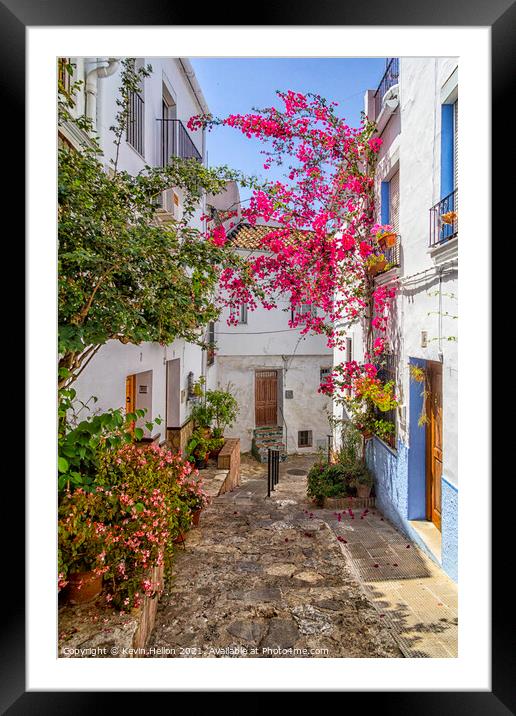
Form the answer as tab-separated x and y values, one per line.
322	228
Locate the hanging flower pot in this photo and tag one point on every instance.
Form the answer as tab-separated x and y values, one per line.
387	240
377	266
449	218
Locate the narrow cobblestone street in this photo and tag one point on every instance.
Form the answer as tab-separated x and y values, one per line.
264	577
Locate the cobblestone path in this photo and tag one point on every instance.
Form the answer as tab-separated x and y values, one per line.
267	578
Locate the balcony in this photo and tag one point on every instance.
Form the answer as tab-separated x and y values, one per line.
174	141
389	79
444	222
392	254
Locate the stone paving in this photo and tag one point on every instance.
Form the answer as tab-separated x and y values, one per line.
270	578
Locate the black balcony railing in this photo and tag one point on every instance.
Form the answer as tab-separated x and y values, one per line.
134	129
390	78
444	222
392	253
175	142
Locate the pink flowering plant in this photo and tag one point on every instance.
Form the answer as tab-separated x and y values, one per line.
124	525
116	535
152	467
322	232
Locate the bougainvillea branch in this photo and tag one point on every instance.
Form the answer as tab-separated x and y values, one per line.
322	230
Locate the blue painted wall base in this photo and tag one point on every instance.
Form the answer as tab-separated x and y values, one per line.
393	479
450	529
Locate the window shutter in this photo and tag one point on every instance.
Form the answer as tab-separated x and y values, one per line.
394	213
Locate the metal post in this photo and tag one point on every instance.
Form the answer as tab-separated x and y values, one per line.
269	472
330	437
276	466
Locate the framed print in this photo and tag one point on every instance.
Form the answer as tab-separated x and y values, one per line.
266	318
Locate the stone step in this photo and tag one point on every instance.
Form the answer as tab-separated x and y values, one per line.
266	430
260	449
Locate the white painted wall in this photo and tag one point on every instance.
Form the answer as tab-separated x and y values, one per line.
421	82
307	410
267	341
412	141
105	376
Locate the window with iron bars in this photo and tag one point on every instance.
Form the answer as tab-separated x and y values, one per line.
134	131
304	438
240	312
386	373
302	309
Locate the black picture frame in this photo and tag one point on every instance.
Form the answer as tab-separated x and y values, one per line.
15	16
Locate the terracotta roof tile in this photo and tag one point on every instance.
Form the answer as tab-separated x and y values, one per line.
245	236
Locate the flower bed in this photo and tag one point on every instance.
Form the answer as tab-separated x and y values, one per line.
123	526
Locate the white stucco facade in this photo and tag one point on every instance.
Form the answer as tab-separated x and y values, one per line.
105	376
417	165
266	341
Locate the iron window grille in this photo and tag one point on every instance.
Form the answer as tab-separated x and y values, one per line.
386	373
324	373
240	312
444	223
135	119
304	438
303	309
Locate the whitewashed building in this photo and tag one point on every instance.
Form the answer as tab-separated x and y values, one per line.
273	371
157	378
416	478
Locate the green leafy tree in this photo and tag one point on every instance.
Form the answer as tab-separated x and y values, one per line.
122	274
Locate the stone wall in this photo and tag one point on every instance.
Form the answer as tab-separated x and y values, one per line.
177	438
229	459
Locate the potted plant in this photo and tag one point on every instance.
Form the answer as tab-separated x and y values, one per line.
198	448
376	263
450	217
385	235
362	480
216	443
202	416
80	548
224	409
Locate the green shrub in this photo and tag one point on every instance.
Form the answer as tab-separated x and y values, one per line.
337	480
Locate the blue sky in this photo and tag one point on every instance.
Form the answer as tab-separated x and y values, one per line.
236	85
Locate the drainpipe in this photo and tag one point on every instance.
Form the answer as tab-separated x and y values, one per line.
95	68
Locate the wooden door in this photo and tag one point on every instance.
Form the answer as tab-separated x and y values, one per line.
434	443
130	394
266	397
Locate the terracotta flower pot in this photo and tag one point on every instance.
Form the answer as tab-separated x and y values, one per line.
377	267
387	240
363	491
196	516
449	217
83	587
